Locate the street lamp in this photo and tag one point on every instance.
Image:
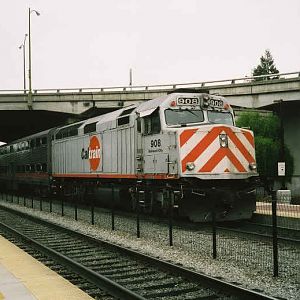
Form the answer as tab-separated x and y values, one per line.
22	46
29	56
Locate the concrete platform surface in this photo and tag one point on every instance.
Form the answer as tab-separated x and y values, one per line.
24	278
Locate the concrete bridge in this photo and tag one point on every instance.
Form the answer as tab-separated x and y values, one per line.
245	92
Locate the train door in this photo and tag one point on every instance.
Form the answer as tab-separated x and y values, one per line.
152	143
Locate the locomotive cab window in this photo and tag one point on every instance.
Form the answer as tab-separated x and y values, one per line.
183	116
152	123
218	117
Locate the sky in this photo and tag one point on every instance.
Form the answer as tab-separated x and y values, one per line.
94	43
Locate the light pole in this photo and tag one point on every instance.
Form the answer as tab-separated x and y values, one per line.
22	46
29	56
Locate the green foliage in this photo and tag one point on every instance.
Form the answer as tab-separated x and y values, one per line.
266	67
267	143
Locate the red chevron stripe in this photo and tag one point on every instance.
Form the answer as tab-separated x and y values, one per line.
239	145
249	137
201	146
186	135
218	156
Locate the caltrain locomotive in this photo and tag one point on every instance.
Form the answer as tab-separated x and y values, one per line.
179	146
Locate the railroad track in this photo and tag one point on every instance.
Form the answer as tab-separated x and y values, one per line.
263	230
122	273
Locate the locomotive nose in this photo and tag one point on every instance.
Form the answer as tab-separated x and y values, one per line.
217	150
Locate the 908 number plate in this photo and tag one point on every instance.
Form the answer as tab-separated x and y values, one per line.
215	103
188	101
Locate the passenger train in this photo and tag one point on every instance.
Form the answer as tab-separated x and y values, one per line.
182	148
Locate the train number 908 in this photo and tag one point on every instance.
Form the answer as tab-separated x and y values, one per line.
188	101
155	143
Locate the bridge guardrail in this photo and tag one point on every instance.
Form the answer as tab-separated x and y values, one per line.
143	88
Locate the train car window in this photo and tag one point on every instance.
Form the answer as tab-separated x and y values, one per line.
27	168
89	127
32	168
44	168
38	167
218	117
23	169
152	123
67	131
44	140
123	121
32	144
38	142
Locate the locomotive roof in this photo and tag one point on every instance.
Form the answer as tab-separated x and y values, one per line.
150	105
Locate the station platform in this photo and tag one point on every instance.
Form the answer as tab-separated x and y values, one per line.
24	278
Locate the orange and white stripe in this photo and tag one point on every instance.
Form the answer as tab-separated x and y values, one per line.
202	147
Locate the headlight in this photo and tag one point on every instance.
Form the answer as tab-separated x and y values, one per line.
223	140
190	166
252	166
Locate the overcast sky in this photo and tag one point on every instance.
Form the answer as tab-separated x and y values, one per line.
94	43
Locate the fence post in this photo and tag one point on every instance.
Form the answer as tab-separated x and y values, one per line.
275	237
92	211
113	207
212	196
41	204
138	232
171	205
50	204
74	200
62	206
32	201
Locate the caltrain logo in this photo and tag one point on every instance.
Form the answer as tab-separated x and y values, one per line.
92	153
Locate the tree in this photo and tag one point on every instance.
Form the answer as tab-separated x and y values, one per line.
266	67
267	145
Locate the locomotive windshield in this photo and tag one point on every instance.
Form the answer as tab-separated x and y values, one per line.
218	117
184	116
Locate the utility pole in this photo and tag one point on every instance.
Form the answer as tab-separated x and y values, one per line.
130	77
29	56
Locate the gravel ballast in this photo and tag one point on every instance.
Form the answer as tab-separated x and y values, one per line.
154	242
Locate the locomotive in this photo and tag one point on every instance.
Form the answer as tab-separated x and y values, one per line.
181	149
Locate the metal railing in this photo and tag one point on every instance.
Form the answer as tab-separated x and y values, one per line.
146	88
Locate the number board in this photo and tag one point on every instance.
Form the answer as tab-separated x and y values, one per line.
188	101
216	103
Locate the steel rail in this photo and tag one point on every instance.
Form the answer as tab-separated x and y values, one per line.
208	281
264	235
100	281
